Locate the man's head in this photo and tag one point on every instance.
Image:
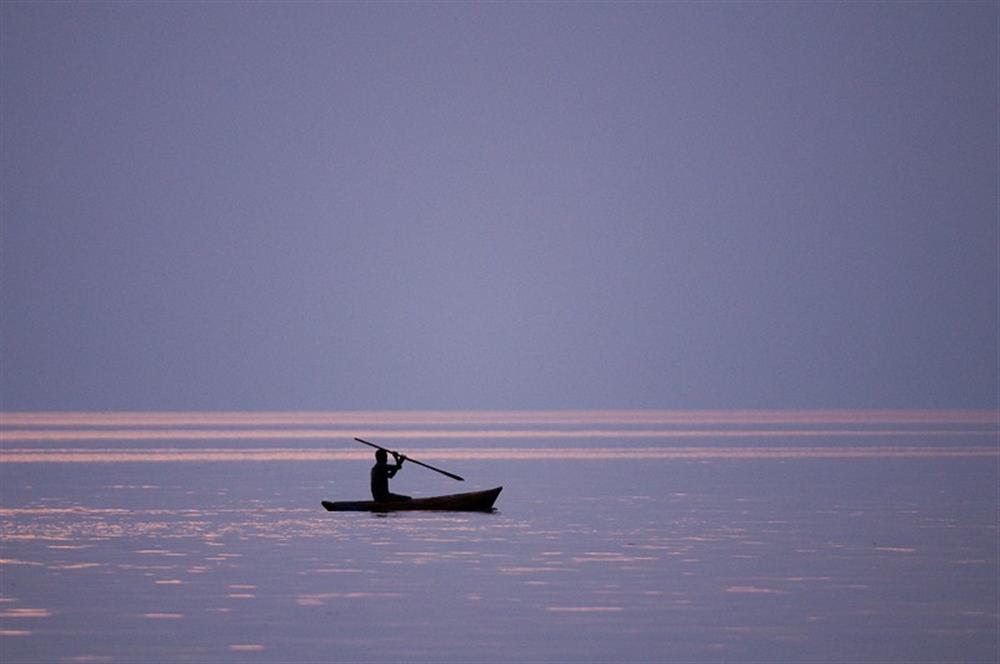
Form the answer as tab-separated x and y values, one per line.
381	456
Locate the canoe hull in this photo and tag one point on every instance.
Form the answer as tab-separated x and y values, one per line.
476	501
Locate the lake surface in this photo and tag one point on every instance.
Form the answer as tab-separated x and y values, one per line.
619	536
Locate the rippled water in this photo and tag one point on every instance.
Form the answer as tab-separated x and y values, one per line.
872	556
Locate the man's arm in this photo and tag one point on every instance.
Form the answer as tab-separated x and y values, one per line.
392	470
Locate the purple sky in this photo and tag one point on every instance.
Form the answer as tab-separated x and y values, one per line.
674	205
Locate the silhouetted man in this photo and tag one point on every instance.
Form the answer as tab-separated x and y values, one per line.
381	472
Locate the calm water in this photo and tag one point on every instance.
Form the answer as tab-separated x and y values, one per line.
850	538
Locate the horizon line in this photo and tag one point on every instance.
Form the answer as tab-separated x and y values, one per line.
568	417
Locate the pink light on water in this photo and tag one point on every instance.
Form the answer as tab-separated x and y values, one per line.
493	454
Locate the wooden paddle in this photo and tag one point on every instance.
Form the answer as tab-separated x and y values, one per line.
419	463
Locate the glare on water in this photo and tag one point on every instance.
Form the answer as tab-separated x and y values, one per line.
861	546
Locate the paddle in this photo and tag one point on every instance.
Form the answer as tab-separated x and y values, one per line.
419	463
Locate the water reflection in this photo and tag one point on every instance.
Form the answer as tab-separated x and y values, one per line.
710	552
687	453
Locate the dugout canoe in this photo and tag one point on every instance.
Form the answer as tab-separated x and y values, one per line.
475	501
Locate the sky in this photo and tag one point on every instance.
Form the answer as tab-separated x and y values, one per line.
300	206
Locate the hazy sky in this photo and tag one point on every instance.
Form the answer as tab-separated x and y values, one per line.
473	205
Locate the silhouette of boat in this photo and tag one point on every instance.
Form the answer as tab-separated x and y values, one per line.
475	501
